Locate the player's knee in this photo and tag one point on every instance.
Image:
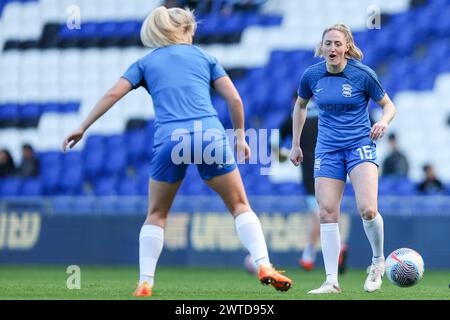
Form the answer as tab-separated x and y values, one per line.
236	202
328	215
368	212
239	206
157	216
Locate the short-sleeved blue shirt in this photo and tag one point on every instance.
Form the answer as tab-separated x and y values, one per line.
178	78
342	100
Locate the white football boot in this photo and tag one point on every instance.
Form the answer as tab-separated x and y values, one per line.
374	278
326	287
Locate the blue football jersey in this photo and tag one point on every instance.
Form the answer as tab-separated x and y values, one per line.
342	100
178	78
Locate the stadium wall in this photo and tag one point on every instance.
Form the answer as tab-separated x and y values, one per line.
200	232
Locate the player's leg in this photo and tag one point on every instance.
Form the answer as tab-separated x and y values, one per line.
309	253
166	178
329	193
308	258
364	177
151	237
248	227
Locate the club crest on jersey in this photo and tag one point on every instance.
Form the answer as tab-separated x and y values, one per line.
347	90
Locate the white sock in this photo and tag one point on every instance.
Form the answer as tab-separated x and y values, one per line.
331	246
309	253
249	231
151	240
375	233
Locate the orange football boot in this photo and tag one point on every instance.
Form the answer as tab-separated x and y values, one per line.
268	275
143	290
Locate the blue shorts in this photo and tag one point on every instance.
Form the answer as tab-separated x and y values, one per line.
170	159
338	164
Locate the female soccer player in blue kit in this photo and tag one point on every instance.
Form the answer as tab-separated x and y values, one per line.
179	76
342	86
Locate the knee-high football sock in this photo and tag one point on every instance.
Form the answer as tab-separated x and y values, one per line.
375	233
151	240
249	230
331	246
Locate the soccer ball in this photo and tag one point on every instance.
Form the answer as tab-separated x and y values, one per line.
404	267
250	265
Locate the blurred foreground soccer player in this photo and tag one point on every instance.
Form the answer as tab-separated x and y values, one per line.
342	86
178	76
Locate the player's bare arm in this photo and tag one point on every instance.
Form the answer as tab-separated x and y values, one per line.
225	87
389	110
298	121
120	89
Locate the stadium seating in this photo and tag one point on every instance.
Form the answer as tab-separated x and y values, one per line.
51	76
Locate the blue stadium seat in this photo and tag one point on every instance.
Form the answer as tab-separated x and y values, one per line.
30	110
405	187
51	107
221	106
348	189
106	186
128	187
70	107
9	111
274	119
50	161
289	189
71	159
207	25
93	155
32	187
269	20
51	181
142	181
72	179
128	28
137	146
233	24
251	19
10	187
117	162
385	186
94	142
441	25
89	30
94	164
108	29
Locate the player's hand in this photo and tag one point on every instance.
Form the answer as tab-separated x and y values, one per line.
242	150
378	130
72	139
296	155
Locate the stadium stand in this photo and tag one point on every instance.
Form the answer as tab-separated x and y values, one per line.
50	77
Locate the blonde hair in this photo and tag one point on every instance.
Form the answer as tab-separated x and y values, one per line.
353	51
164	27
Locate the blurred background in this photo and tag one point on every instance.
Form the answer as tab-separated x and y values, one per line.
57	58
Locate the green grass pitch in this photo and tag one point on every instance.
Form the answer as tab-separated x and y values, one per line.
43	282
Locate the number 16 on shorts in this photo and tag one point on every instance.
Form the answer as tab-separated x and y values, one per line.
365	152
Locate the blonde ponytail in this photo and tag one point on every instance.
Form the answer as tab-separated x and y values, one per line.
164	27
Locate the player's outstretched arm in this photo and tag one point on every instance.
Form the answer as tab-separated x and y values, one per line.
120	89
389	110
